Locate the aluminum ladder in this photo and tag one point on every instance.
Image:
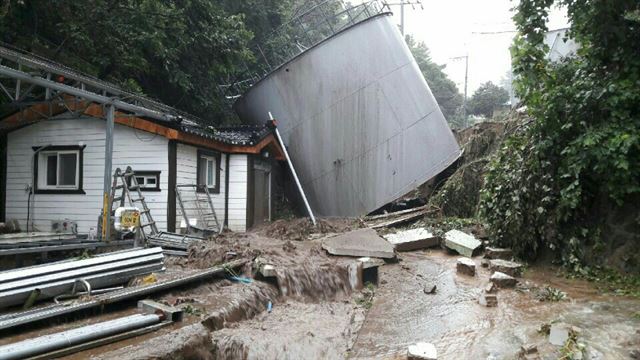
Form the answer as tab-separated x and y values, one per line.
126	181
207	220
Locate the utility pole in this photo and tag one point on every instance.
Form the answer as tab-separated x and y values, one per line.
402	3
402	18
466	78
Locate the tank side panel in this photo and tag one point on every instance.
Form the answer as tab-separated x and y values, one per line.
358	118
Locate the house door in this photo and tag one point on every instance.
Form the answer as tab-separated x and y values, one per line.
262	199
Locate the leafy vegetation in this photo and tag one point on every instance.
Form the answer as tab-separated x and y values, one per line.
175	51
444	89
581	150
486	99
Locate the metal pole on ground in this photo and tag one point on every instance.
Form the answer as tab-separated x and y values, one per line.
293	170
108	154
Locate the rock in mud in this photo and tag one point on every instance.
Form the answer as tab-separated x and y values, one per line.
504	266
488	300
498	253
462	243
267	270
503	280
430	288
422	351
413	239
362	242
484	263
466	266
528	352
491	288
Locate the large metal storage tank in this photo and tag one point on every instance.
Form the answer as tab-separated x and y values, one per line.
359	121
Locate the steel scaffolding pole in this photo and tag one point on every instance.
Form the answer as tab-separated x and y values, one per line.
108	156
88	95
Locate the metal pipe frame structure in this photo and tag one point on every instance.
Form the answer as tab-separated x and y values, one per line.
84	87
29	316
48	343
293	170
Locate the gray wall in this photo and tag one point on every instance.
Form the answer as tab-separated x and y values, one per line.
358	118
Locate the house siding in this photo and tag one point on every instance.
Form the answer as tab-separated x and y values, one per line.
135	148
187	174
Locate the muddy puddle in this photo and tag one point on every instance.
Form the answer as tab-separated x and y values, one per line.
452	319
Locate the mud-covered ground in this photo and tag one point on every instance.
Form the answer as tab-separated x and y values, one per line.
317	312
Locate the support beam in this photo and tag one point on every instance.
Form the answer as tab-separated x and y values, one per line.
108	156
88	95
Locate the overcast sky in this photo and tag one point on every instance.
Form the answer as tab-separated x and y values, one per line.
480	28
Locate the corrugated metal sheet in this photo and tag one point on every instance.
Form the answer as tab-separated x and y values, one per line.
358	118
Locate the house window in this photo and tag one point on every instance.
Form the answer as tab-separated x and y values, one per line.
148	180
58	169
209	170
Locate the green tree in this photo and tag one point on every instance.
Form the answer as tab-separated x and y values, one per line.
175	51
444	89
581	153
486	98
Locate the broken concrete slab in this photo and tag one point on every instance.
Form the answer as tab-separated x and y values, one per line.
488	300
422	351
466	266
504	266
464	244
413	239
361	242
369	262
503	280
498	253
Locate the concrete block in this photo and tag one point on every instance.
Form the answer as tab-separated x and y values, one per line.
504	266
267	270
488	300
503	280
152	307
466	266
356	275
422	351
369	262
413	239
463	244
361	242
559	334
498	253
491	288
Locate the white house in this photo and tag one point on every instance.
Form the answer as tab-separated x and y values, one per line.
52	167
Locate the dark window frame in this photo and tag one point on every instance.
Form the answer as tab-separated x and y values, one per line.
218	157
78	148
148	173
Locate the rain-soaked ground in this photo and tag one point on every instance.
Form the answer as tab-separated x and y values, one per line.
452	319
321	316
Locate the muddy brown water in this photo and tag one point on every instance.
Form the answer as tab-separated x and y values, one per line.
452	319
316	314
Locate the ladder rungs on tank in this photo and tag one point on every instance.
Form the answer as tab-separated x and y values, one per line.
196	198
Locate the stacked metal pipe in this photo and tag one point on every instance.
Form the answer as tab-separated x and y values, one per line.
46	281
